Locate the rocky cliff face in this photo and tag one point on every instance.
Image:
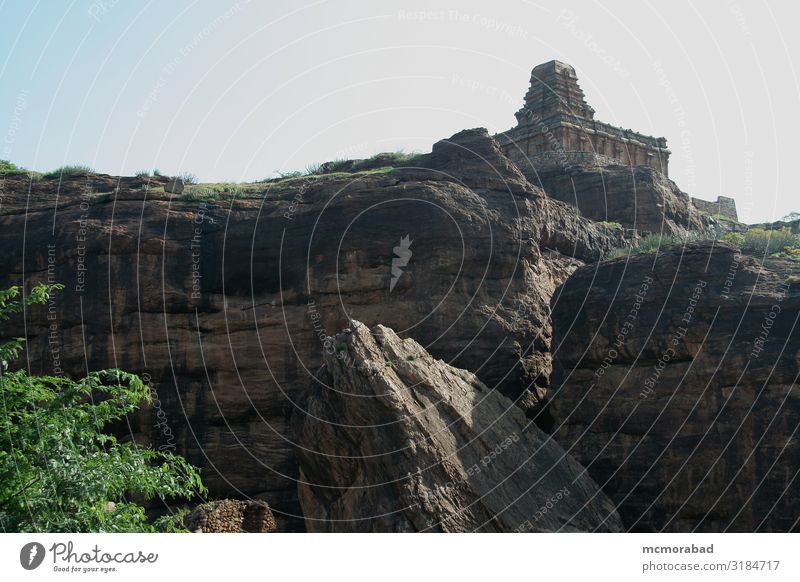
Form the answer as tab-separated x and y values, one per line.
676	387
392	440
225	304
637	197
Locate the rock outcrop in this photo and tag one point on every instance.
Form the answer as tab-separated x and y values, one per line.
392	440
676	386
231	516
637	197
223	301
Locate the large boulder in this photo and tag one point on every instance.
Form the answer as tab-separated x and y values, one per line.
392	440
675	384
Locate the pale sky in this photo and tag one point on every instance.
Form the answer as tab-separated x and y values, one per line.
237	90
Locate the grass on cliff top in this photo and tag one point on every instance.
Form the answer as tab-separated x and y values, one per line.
291	178
69	170
652	243
779	243
226	190
390	159
7	167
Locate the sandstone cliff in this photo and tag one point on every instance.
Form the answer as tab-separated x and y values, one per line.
637	197
224	303
676	387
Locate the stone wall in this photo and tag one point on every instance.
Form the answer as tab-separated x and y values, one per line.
723	206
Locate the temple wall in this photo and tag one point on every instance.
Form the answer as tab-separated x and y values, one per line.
723	206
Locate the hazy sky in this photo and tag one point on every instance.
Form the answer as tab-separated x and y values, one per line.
238	90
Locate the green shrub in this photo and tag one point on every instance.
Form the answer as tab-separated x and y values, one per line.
7	167
791	217
735	238
60	470
762	242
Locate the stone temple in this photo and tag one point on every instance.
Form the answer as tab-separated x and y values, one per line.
556	132
556	127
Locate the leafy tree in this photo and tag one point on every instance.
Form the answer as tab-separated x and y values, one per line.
7	167
791	217
59	470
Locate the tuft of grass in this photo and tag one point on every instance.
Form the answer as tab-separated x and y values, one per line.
793	279
396	158
653	243
313	169
289	174
188	178
337	165
70	170
612	225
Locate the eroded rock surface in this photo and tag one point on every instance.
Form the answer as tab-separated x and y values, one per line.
676	385
637	197
392	440
223	301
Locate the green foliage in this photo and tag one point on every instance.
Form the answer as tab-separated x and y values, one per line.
10	304
612	225
791	217
60	471
70	170
188	178
313	169
735	238
652	243
793	279
7	167
780	243
788	253
289	174
143	174
723	218
220	191
398	158
762	242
